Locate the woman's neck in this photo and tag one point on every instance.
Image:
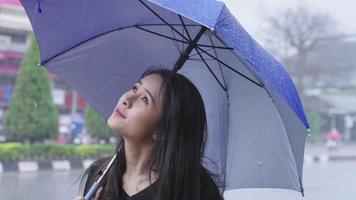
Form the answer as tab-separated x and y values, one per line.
136	155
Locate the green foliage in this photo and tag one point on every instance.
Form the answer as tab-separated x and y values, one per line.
95	124
91	150
10	150
316	123
18	151
32	114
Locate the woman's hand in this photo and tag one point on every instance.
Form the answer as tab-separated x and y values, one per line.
97	195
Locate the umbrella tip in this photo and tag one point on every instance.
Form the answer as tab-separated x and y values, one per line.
38	65
301	187
309	131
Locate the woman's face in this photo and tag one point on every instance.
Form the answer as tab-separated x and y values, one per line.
140	108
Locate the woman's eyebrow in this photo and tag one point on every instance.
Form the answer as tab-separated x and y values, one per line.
149	93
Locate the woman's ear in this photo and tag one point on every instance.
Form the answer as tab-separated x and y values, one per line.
156	136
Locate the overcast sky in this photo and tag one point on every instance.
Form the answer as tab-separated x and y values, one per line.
250	12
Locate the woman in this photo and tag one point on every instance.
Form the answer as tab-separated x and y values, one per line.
162	122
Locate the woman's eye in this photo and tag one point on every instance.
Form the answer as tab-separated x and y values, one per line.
146	100
134	88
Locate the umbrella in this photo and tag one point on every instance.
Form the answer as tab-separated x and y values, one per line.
256	123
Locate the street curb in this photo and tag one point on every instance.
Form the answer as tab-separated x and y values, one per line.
324	158
67	165
46	165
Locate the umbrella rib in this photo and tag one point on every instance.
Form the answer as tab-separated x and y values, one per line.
175	43
224	64
117	29
220	40
183	35
216	47
157	15
212	43
211	71
159	34
184	26
170	24
194	54
198	59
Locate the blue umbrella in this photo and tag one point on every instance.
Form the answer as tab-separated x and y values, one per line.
256	123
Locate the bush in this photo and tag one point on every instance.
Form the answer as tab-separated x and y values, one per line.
19	151
10	151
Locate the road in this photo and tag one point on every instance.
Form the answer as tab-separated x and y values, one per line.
323	181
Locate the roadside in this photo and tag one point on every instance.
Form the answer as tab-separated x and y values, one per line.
314	153
319	153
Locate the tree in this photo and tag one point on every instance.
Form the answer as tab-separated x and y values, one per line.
96	125
317	122
293	33
32	115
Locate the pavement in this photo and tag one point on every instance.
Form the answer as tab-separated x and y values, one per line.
319	153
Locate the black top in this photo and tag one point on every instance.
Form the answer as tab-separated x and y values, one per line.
209	190
147	193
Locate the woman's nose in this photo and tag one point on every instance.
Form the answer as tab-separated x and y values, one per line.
126	102
128	99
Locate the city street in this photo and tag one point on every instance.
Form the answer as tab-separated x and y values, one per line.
262	93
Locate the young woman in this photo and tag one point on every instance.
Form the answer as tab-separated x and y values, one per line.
162	123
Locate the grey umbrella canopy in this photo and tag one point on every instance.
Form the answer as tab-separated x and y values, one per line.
256	123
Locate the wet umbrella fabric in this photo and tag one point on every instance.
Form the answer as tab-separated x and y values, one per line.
256	123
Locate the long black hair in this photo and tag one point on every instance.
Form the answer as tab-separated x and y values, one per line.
177	155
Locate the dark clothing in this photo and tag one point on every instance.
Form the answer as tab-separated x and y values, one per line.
147	193
208	191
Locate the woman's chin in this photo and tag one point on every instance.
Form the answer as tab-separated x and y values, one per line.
116	127
114	121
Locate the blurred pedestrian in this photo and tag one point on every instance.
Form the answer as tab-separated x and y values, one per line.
333	139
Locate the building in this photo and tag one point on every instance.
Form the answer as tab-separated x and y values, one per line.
15	29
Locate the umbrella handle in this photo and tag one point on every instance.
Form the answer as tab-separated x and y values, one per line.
92	191
97	183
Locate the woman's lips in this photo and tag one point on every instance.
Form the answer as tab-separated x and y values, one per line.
119	113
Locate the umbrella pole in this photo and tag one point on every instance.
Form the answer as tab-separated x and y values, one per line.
185	55
98	183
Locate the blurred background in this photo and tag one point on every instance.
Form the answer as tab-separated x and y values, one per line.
314	39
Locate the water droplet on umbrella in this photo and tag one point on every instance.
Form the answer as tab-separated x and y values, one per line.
35	104
38	6
309	132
